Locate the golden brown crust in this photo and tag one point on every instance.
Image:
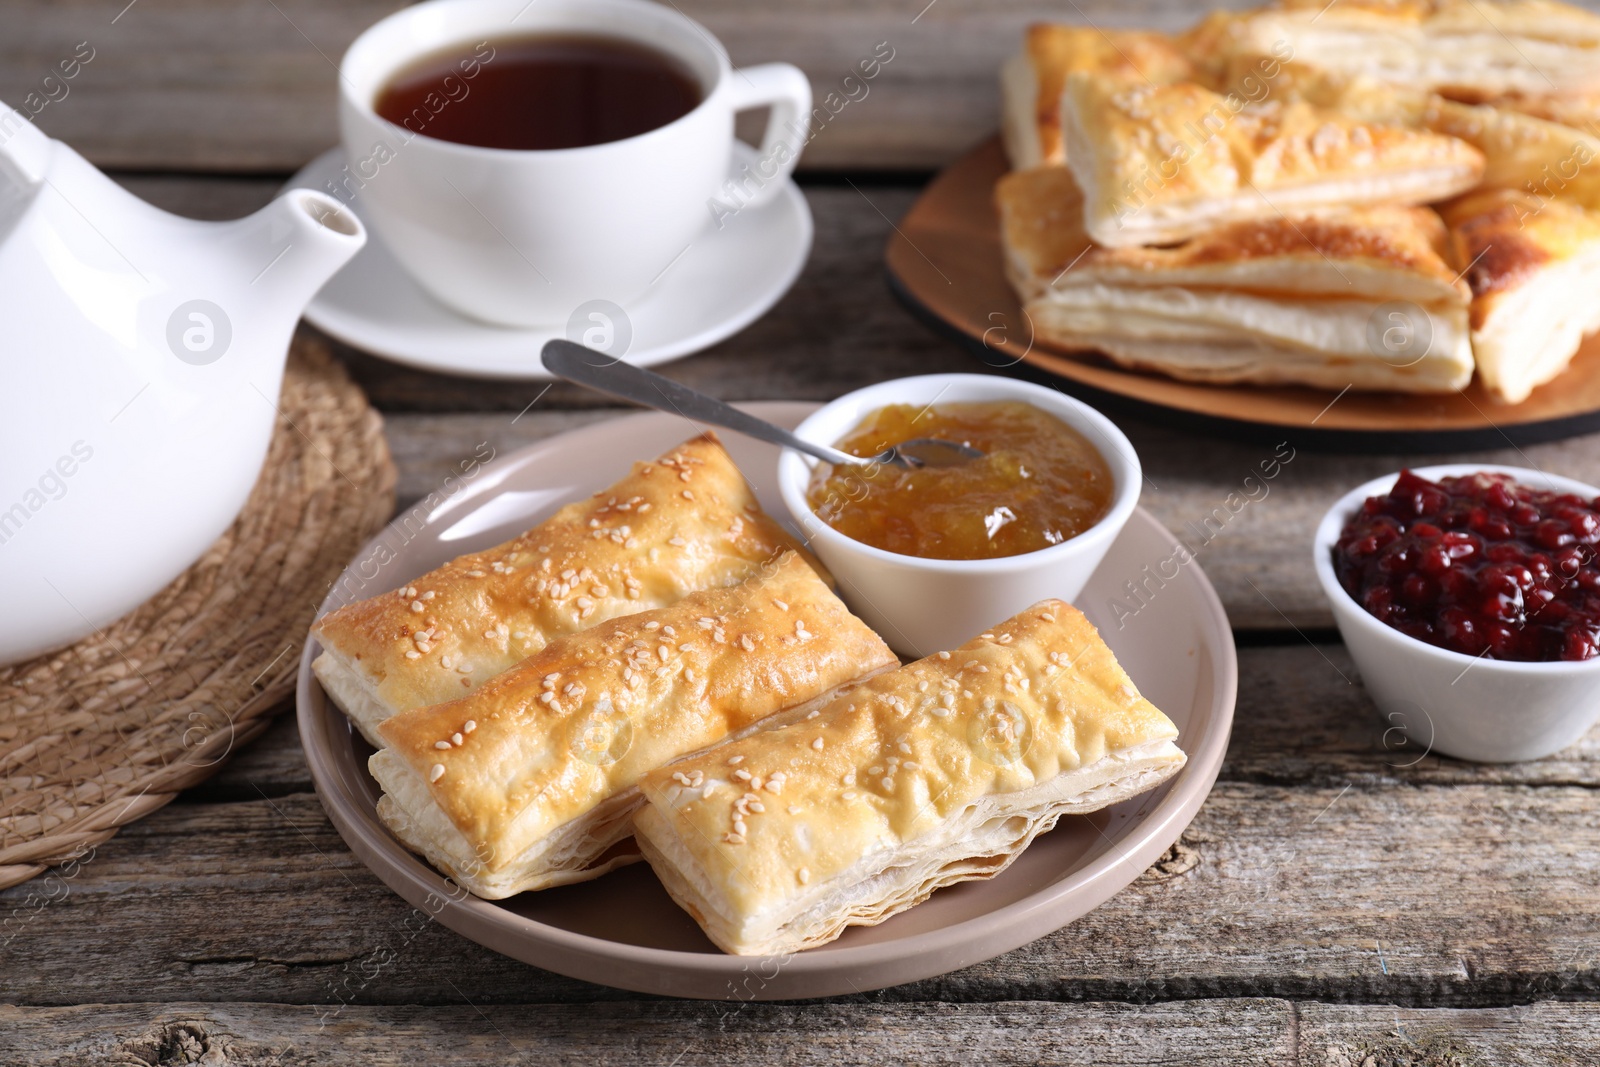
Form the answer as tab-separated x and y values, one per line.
1579	110
1385	13
1041	213
1209	44
1161	163
1472	49
1352	94
935	773
1492	244
1522	148
1521	151
1536	19
1534	266
579	722
1056	50
684	522
1409	239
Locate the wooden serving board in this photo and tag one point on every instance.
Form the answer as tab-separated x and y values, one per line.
945	262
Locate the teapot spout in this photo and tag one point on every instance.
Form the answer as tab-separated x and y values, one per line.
281	255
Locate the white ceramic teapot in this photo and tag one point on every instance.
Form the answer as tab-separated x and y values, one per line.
140	359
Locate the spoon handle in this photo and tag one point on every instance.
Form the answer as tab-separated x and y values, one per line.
610	375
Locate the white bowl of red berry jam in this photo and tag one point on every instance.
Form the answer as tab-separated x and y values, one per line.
1469	597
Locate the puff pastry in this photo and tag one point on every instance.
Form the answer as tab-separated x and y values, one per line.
1158	164
1580	110
1534	267
1273	301
1353	95
1211	45
1031	81
939	772
531	779
1521	151
684	522
1519	134
1475	49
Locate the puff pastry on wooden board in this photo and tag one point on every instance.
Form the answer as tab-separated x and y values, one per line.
1158	164
1468	49
684	522
1534	267
531	780
1162	163
1520	151
1031	81
1356	96
939	772
1271	301
1580	110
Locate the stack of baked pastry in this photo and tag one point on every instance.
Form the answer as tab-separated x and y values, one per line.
1378	194
660	670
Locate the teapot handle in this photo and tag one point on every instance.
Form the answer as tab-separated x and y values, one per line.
24	148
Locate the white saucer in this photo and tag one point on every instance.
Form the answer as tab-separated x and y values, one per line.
725	281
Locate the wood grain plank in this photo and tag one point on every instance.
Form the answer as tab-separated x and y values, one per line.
1366	892
198	85
1261	559
1352	1035
1247	1033
184	84
237	85
273	765
1303	717
1239	1032
210	198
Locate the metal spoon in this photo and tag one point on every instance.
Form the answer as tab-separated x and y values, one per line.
610	375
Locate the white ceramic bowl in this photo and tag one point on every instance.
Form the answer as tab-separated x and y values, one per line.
1493	711
921	606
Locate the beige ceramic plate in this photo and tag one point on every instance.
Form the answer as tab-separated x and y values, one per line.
623	930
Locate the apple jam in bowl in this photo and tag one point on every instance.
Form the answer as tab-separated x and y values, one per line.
930	557
1469	598
1038	483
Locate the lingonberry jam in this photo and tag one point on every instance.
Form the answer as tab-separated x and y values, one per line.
1478	564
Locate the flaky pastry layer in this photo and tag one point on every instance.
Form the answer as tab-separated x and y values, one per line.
1032	80
528	780
1269	301
1160	164
1473	48
1262	342
939	772
1534	267
1383	252
684	522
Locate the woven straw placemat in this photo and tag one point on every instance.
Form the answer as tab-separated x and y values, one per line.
106	731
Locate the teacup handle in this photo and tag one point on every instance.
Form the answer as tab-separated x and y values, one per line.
786	90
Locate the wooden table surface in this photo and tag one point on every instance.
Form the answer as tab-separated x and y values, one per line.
1338	900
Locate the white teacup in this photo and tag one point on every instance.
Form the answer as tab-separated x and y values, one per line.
525	238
